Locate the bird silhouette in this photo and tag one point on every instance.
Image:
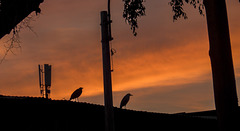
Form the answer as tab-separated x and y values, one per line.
76	93
125	100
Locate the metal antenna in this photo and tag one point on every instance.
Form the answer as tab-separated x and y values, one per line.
40	70
45	79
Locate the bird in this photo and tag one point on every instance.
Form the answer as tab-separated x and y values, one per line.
76	93
125	100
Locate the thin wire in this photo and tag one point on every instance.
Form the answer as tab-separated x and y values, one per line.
111	49
109	22
110	34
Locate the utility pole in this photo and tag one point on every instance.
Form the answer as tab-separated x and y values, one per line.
220	53
109	118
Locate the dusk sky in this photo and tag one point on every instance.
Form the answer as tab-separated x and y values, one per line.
166	67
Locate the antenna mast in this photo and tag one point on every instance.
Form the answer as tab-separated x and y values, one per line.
45	79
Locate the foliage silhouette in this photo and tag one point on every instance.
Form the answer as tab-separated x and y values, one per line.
224	84
14	16
177	7
220	51
132	10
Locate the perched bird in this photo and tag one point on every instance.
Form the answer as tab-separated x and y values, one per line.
125	100
76	93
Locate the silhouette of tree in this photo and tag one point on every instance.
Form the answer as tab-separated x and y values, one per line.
14	16
13	12
220	52
179	11
14	42
132	10
221	58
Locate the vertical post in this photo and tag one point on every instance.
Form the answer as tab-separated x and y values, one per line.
40	71
47	72
46	90
40	76
222	65
46	85
109	119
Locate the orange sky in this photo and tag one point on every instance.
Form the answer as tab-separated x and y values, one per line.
166	67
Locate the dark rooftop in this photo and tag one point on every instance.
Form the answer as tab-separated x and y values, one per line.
35	113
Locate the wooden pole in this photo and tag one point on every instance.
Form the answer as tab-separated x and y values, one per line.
109	119
222	65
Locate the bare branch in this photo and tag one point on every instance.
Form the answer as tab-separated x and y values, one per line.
14	41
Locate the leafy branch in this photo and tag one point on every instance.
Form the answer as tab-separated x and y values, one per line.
177	7
132	10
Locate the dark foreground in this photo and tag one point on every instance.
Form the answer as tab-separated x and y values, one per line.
39	114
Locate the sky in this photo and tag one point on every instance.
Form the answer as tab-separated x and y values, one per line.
166	67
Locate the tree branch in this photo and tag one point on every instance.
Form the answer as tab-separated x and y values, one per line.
133	9
14	41
177	7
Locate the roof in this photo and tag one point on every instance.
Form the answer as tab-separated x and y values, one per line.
36	113
13	12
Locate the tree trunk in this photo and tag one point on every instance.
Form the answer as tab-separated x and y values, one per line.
220	53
